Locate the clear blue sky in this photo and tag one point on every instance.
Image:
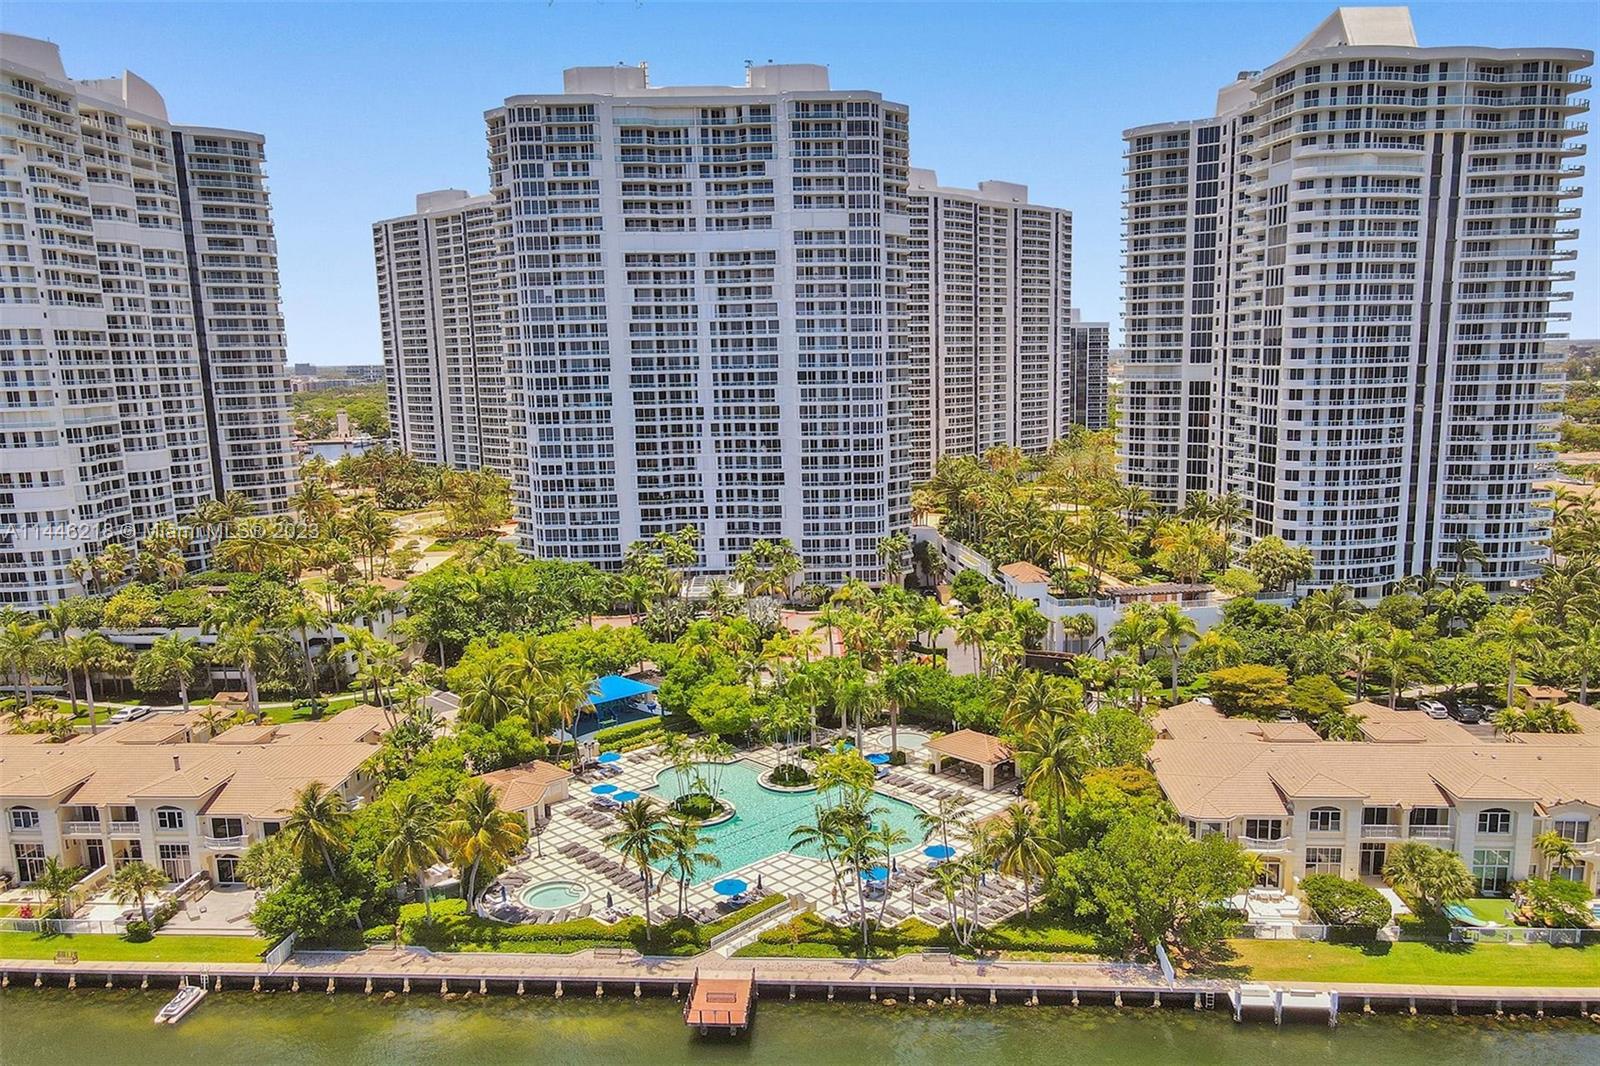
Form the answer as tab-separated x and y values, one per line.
364	105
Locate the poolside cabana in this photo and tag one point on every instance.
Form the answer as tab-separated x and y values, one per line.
530	789
969	746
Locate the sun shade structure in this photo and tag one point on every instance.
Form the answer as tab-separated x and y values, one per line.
614	687
626	797
985	752
731	886
609	757
603	789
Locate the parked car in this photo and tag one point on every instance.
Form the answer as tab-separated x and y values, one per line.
1469	713
129	714
1433	708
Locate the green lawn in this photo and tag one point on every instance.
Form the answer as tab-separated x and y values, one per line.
808	936
103	947
287	713
1410	962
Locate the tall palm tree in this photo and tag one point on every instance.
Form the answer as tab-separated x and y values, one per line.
247	646
1018	842
1172	628
133	881
479	832
1053	759
301	618
564	695
23	650
642	837
414	841
1521	632
57	882
88	653
315	826
1403	658
685	855
172	659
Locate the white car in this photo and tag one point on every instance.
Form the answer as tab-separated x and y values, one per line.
129	714
1433	709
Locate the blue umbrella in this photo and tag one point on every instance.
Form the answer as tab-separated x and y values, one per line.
626	797
876	874
939	851
878	758
604	789
610	757
730	886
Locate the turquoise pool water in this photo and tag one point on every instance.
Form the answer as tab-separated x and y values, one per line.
553	895
764	819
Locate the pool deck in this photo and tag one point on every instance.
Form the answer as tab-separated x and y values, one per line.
574	826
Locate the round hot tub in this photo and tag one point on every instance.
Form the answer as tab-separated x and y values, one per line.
553	895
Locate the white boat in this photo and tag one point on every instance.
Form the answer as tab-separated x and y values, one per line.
187	999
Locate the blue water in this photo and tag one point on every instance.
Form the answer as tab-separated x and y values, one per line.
764	819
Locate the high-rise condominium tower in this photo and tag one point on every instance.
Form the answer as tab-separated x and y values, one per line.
142	343
1337	292
704	314
989	320
439	306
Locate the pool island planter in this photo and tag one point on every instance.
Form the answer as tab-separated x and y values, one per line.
727	814
766	782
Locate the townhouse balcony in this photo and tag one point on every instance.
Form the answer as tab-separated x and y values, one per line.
1431	832
224	843
124	829
1279	843
1380	832
82	829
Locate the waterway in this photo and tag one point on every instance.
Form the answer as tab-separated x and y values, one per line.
56	1027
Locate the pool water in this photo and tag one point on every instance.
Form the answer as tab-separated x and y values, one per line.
764	819
553	895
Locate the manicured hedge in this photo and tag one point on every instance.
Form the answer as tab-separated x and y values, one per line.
617	734
1345	903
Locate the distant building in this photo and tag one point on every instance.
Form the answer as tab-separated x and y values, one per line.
1337	299
143	338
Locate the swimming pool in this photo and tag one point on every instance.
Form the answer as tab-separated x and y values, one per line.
764	819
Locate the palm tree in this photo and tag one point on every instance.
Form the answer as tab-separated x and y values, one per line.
563	695
1135	631
642	836
1520	631
1402	657
23	649
1433	876
1020	845
56	882
479	832
172	659
951	879
1556	849
302	617
414	836
1053	760
247	646
685	855
88	653
943	818
133	881
314	828
1172	628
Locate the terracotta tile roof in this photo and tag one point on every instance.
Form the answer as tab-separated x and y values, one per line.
1025	572
255	779
971	746
519	787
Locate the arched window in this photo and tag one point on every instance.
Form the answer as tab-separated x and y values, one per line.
24	818
1494	820
1326	819
169	818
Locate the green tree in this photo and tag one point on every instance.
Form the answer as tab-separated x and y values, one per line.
1432	876
1172	628
88	654
1019	843
173	659
58	884
414	840
685	855
478	833
315	825
133	882
642	837
1251	690
248	647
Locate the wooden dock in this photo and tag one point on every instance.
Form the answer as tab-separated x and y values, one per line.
720	1004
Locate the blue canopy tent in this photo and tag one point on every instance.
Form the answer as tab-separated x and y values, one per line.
615	700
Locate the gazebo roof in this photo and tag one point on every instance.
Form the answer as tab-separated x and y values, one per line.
971	746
